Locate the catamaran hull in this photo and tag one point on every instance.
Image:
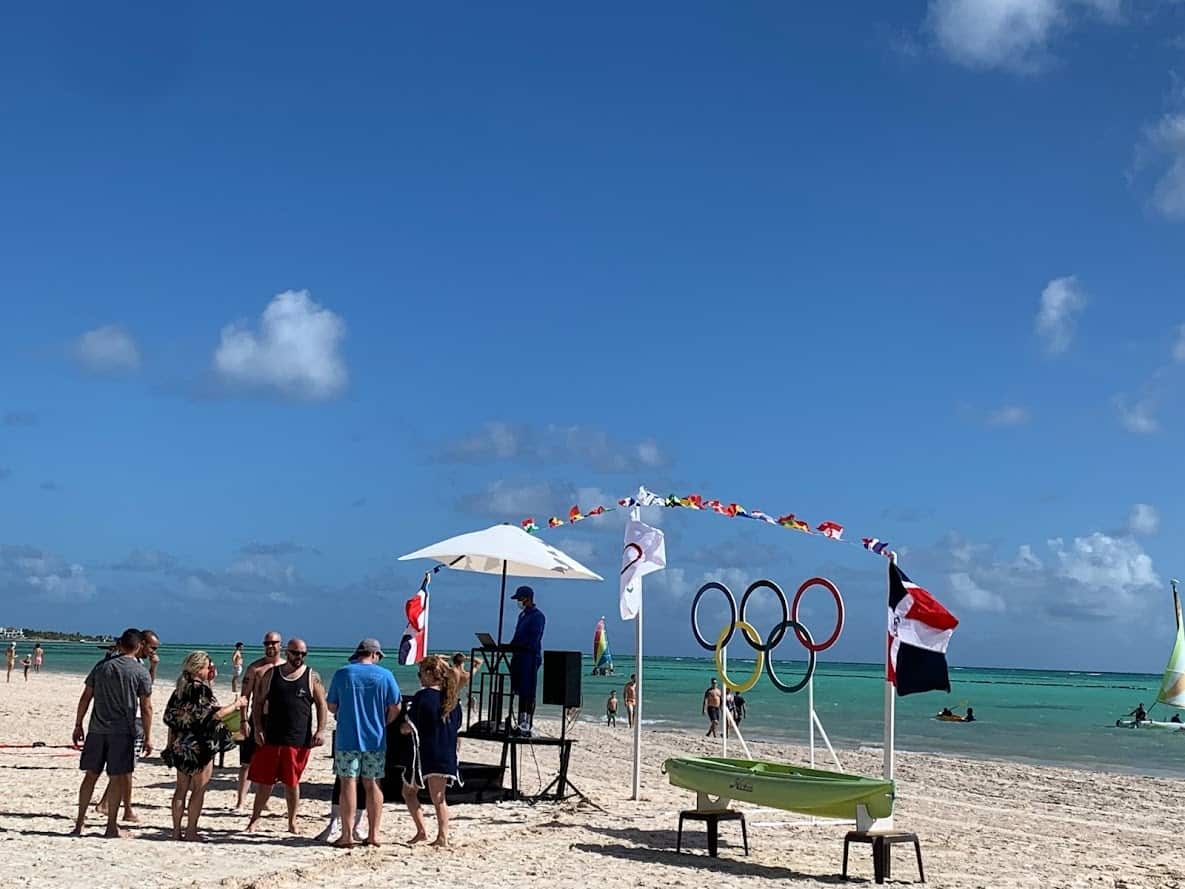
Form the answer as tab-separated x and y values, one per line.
780	786
1151	724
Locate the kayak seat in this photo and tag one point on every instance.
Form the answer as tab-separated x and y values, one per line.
882	842
713	819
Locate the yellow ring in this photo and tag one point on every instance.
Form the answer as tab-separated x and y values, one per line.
748	629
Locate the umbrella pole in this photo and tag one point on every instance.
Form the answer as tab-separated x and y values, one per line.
502	602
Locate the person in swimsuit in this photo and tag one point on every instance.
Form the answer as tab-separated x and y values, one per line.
10	659
631	698
611	709
38	657
433	720
711	707
256	670
236	667
196	735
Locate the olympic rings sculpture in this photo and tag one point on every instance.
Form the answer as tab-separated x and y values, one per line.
766	648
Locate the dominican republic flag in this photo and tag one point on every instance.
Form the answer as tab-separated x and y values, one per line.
414	644
919	631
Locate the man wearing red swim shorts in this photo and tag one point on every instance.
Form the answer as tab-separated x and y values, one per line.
283	720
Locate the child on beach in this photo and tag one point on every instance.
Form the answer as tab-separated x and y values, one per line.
433	721
611	709
26	662
196	734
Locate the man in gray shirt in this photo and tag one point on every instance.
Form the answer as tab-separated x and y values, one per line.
118	687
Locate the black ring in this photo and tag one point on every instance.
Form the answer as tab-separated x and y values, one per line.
732	608
780	629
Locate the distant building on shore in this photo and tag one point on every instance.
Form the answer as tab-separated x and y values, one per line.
11	633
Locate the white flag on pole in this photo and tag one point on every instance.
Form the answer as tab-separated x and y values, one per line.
645	551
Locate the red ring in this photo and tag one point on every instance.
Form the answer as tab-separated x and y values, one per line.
823	582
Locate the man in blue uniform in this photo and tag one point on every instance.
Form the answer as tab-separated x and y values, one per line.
527	656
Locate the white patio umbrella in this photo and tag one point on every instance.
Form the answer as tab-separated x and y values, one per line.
505	550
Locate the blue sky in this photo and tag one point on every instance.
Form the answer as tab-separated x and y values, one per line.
285	296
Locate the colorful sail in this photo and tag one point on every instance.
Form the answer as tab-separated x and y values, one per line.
602	657
1172	686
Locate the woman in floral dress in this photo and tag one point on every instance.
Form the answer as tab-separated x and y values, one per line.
196	735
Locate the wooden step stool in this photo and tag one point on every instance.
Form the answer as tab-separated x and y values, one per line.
882	842
713	819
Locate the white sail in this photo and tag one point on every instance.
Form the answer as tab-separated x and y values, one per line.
1172	686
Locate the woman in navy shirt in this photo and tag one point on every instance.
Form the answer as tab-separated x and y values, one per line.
433	721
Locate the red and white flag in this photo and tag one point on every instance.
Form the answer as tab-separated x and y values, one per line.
414	644
920	628
833	530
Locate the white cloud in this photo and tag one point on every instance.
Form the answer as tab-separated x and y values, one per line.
1144	520
555	444
1137	416
295	354
107	351
971	595
1012	35
27	567
1179	346
70	585
1099	561
1008	415
1026	559
649	453
267	568
1061	300
1165	140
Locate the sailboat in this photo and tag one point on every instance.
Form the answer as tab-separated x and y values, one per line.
602	657
1172	684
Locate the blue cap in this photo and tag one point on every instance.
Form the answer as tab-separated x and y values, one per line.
524	592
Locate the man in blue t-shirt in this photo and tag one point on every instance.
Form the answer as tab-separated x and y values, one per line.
365	699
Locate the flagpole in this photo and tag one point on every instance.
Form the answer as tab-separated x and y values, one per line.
636	781
427	605
890	699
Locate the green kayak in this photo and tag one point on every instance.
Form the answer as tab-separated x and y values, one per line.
782	786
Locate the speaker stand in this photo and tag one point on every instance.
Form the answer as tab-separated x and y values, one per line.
561	782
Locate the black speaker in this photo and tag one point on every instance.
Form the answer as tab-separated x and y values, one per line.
561	678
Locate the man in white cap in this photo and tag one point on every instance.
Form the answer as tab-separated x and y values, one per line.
365	699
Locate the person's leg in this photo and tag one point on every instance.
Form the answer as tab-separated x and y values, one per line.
178	805
197	797
101	805
374	809
242	786
85	792
262	792
436	788
128	814
120	787
349	805
292	798
412	801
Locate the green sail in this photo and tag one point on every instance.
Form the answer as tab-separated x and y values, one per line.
1172	685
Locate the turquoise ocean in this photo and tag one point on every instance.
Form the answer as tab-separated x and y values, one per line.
1039	716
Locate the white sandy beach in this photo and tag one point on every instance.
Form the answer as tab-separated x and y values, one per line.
982	824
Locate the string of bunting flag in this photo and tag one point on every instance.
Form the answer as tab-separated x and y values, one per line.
830	530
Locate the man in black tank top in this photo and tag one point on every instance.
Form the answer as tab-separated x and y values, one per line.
283	724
